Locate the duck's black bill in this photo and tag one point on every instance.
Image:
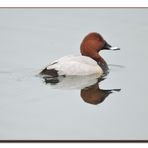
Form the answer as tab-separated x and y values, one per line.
109	47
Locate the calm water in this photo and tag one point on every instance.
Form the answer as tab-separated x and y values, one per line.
30	109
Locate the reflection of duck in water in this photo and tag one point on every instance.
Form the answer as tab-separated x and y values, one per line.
94	95
89	86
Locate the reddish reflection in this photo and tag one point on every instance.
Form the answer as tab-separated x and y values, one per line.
90	92
95	95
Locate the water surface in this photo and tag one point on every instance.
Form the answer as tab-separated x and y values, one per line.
30	109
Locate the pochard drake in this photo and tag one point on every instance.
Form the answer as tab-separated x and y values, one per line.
90	62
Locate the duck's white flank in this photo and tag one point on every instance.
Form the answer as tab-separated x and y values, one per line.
76	65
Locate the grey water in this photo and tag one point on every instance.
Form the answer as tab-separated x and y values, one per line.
33	109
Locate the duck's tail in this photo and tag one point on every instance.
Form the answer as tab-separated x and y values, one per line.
49	73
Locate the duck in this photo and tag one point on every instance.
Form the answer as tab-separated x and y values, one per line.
88	63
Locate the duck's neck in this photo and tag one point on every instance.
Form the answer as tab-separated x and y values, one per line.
102	63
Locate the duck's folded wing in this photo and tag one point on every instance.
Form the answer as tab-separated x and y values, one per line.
73	65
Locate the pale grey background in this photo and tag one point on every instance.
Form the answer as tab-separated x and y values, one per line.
31	110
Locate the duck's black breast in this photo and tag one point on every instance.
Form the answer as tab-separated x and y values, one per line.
104	67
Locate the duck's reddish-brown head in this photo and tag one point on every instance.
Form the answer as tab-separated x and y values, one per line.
92	44
93	41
